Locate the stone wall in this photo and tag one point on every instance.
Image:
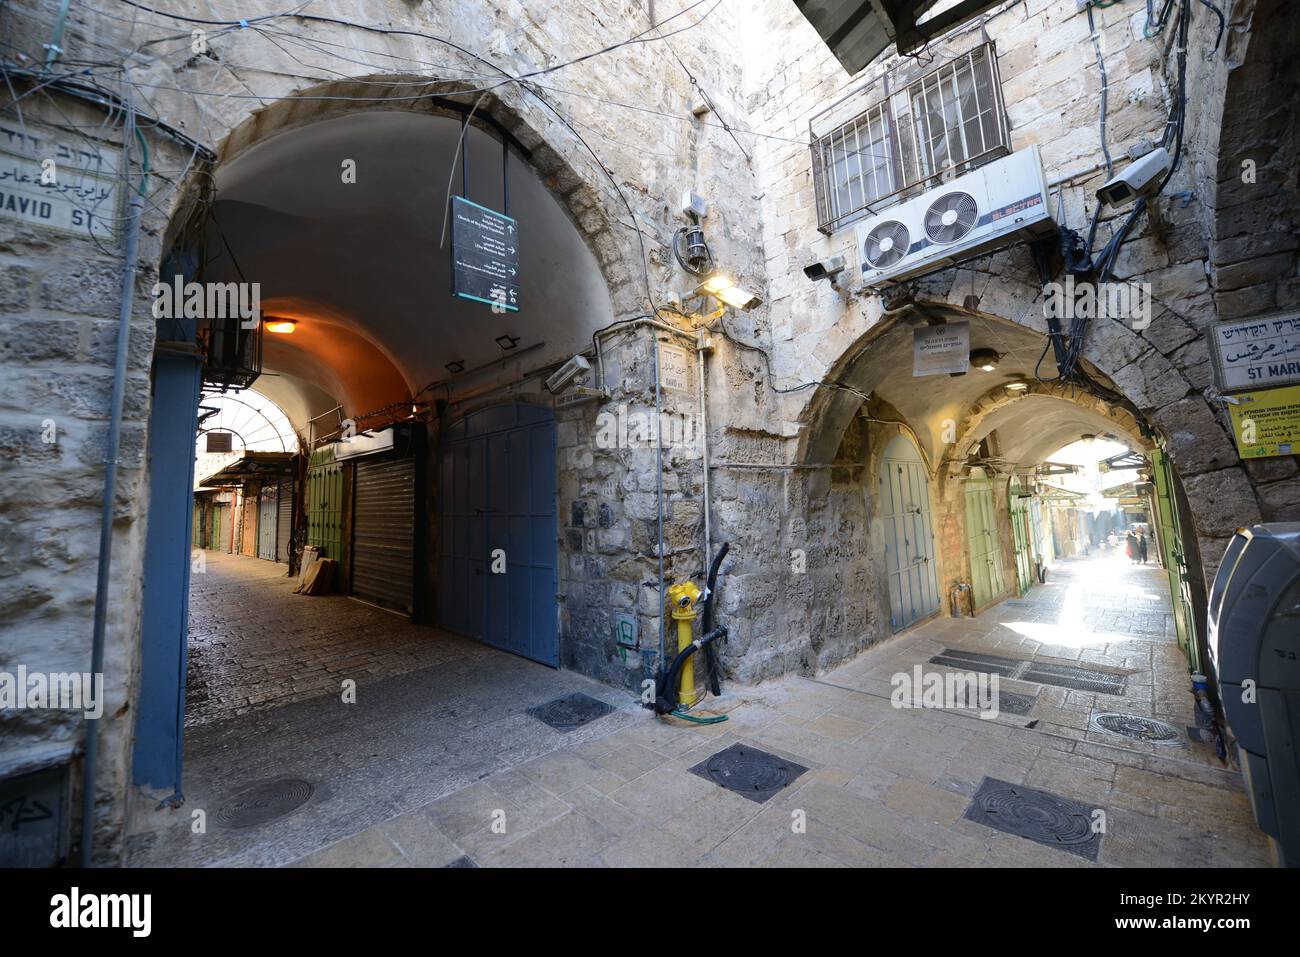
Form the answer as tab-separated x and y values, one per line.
1051	85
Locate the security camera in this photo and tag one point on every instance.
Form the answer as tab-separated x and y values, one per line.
827	269
563	377
1140	178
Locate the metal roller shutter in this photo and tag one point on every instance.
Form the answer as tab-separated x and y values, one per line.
266	523
383	533
284	522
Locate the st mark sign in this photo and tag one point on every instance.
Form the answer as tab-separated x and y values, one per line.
484	255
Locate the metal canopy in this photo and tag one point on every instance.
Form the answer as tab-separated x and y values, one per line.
253	465
858	31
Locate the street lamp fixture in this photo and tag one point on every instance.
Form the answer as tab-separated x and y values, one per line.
282	326
724	289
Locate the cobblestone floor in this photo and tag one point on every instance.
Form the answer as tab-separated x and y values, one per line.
444	766
255	645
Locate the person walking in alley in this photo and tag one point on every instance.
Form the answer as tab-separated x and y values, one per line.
1130	546
1142	548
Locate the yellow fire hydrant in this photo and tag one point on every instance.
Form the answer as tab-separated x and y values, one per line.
684	596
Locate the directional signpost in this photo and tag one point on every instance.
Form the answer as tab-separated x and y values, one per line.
484	255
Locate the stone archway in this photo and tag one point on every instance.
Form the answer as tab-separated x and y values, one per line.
574	182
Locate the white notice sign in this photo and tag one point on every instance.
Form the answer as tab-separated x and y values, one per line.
1257	353
674	368
58	180
940	350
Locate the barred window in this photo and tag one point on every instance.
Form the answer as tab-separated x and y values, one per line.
950	120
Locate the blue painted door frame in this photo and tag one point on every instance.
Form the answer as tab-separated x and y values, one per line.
164	628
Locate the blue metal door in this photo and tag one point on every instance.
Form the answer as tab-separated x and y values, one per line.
904	496
497	530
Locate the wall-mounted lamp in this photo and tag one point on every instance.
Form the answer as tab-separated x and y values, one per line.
724	289
281	326
984	359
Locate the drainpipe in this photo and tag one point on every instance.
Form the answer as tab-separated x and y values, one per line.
659	495
130	256
703	345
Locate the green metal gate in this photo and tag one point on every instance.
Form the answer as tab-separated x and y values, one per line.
1020	535
1171	543
325	504
988	579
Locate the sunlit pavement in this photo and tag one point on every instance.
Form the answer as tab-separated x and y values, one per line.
441	765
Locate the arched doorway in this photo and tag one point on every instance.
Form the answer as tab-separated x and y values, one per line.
903	491
370	355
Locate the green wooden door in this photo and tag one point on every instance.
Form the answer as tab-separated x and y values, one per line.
1021	537
1175	559
988	579
325	504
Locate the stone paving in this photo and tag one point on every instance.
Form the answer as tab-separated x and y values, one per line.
442	766
255	645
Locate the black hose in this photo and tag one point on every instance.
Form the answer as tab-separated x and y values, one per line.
706	619
666	699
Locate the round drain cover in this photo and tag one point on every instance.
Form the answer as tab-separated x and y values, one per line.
743	769
264	802
1035	814
1137	728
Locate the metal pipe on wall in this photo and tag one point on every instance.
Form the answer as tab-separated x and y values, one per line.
659	496
130	256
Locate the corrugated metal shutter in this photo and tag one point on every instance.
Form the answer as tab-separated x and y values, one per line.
284	522
266	517
383	533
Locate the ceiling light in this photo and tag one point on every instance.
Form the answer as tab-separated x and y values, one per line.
507	342
1086	437
455	366
985	359
1018	386
724	289
282	326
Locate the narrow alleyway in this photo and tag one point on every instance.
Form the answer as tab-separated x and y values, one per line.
256	645
439	762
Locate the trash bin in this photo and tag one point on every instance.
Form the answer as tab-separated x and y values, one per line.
1254	644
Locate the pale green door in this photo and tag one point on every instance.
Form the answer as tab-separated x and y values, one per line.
988	579
1021	536
1171	541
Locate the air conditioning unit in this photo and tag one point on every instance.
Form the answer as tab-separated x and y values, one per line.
984	210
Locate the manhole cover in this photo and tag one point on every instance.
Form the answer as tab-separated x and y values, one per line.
264	802
571	711
1011	702
1036	815
749	772
1137	728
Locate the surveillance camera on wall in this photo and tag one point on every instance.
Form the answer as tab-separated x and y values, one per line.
569	373
825	269
1140	178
